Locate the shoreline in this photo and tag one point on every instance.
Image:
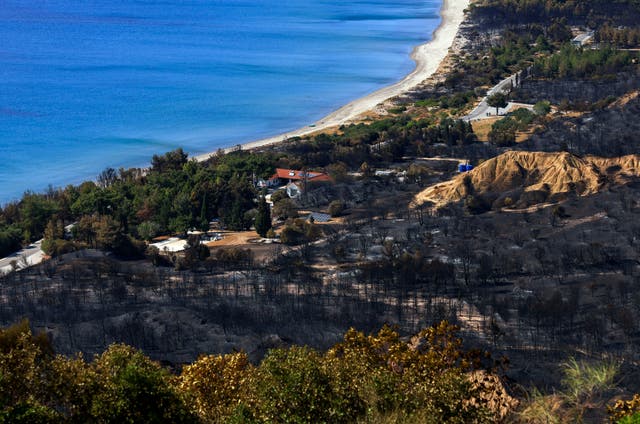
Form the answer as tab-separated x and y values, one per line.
428	57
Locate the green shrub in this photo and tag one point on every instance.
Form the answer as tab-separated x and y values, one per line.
630	419
132	388
542	108
291	386
299	231
57	247
524	117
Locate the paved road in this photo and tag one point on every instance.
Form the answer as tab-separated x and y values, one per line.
28	256
483	110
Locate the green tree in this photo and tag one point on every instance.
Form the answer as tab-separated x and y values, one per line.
91	199
421	381
72	383
170	161
236	199
559	31
263	218
147	230
290	235
498	100
298	231
29	413
195	251
234	217
542	108
285	208
503	132
10	238
54	243
24	360
279	195
217	384
134	389
291	386
204	216
542	43
85	230
107	232
35	212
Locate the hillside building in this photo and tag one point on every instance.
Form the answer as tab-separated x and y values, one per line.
582	39
293	180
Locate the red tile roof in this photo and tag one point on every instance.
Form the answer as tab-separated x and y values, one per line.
291	174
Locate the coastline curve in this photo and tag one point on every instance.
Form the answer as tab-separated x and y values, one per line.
427	56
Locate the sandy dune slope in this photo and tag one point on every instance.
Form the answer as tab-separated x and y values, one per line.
520	174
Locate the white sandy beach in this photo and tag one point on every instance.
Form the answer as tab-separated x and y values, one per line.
427	56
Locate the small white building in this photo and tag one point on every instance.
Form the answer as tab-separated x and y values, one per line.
172	244
270	183
293	190
582	39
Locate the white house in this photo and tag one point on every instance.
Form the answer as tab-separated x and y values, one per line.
582	39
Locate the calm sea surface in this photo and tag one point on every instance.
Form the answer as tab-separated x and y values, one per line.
86	85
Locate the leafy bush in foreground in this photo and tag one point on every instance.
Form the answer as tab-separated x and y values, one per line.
366	378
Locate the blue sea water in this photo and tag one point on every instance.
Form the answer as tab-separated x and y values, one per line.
86	85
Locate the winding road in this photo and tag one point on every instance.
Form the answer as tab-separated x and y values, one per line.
28	256
483	110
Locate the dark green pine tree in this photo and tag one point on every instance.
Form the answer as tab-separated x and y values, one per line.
204	221
498	100
263	218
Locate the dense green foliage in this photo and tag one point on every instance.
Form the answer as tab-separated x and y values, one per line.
378	377
542	108
263	218
10	240
498	100
456	101
534	28
515	51
571	62
526	11
381	141
373	378
120	386
177	194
